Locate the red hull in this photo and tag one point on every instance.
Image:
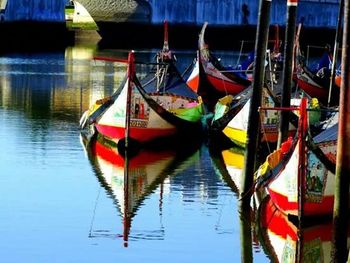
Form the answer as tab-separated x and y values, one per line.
310	209
194	83
140	134
313	91
224	86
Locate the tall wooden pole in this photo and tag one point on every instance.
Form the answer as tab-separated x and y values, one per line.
253	132
245	220
335	50
341	193
287	69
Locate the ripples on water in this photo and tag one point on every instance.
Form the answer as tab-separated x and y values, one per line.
60	203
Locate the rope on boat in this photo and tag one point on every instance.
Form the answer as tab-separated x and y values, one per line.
189	67
240	53
249	192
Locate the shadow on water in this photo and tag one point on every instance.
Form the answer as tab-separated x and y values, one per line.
32	36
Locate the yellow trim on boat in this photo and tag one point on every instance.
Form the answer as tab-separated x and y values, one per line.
238	137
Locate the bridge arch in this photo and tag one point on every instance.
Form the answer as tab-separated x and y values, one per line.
118	10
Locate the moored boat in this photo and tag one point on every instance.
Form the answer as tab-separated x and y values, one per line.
300	176
315	82
211	80
231	117
141	117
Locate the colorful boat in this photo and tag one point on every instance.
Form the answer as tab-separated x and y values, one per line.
211	80
299	176
231	117
148	111
315	82
283	241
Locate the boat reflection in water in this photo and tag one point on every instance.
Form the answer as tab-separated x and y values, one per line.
229	165
282	240
130	180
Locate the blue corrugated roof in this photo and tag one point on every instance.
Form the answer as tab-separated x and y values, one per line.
329	134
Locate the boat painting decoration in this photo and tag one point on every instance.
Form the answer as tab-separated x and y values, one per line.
299	176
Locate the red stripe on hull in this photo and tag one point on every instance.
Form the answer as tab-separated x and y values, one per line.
273	136
310	209
226	87
313	91
194	83
139	134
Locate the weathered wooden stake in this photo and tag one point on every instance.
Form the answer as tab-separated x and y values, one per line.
341	193
246	235
287	75
335	50
253	132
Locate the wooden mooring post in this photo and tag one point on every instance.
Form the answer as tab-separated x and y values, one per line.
287	69
245	220
341	193
253	131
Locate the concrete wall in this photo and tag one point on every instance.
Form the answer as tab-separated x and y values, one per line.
35	10
218	12
224	12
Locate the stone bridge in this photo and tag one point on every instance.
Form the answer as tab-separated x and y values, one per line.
221	12
118	10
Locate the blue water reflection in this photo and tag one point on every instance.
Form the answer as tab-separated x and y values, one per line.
56	204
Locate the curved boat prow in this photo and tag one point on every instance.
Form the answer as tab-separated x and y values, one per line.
165	54
201	42
83	120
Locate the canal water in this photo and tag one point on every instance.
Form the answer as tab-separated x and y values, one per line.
63	202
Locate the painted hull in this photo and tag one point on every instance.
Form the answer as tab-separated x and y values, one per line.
146	124
300	177
236	127
319	186
316	85
210	79
315	90
150	113
221	82
140	134
312	88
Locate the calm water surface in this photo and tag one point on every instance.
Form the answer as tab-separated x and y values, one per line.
61	203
